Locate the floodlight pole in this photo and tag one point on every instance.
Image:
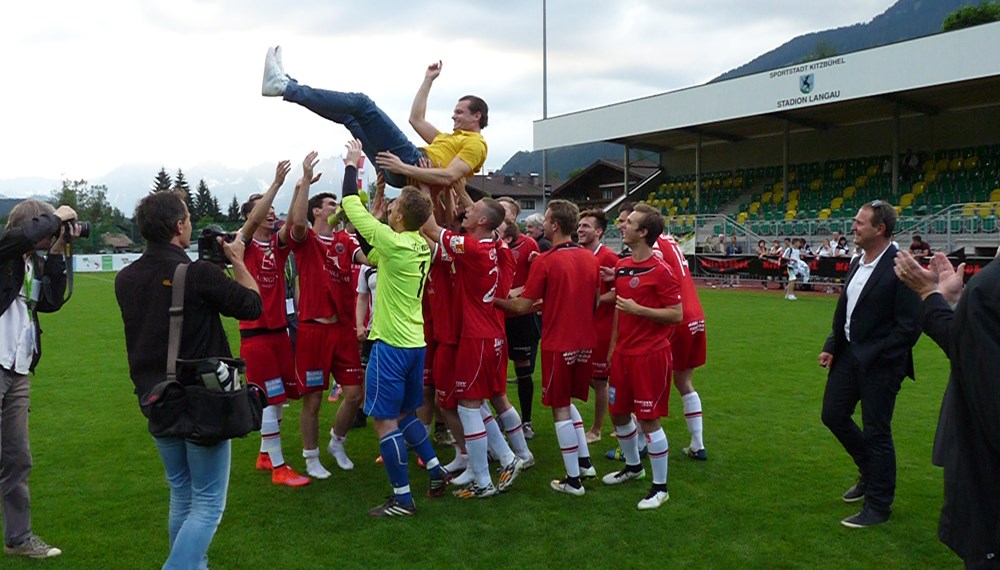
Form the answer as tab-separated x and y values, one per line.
545	105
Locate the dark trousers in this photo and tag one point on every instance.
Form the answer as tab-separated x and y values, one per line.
871	447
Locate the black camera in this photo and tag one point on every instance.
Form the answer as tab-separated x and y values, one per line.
67	226
209	248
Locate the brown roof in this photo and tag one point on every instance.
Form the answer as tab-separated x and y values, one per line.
513	185
116	240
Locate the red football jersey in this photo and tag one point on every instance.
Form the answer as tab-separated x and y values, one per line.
324	265
671	254
650	283
265	261
566	279
507	264
521	248
478	279
605	311
444	311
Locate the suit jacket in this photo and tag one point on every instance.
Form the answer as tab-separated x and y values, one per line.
967	444
884	324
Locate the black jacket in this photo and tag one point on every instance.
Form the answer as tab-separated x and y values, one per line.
967	444
144	292
884	322
50	271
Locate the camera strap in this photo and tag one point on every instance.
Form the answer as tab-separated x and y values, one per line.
176	320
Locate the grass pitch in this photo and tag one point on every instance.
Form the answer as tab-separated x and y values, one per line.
769	495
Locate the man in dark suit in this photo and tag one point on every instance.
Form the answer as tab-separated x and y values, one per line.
967	444
868	354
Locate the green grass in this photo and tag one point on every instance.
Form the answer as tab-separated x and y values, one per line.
769	496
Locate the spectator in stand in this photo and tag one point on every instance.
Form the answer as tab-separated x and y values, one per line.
775	248
710	244
908	164
824	250
919	248
834	241
533	226
842	249
734	247
762	252
803	245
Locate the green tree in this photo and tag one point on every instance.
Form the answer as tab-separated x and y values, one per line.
234	210
968	16
92	206
181	185
214	210
822	50
202	202
162	181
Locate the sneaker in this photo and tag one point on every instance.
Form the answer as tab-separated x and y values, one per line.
529	431
791	297
528	463
654	498
32	547
336	449
616	454
587	471
264	462
286	476
624	475
472	491
563	486
442	436
866	518
275	80
700	455
509	473
393	508
335	393
438	484
857	492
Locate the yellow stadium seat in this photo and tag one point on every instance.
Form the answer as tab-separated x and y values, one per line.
906	199
972	163
899	210
670	202
816	184
754	207
685	202
838	174
849	191
919	188
766	197
742	217
929	166
995	195
931	176
984	210
941	165
872	170
824	213
836	203
969	210
790	215
793	195
955	164
861	180
738	182
673	210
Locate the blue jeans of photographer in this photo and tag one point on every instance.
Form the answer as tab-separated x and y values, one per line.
366	122
199	481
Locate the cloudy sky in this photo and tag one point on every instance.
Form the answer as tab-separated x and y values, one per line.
89	86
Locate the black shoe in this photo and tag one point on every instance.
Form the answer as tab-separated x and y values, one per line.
857	492
393	508
866	518
360	420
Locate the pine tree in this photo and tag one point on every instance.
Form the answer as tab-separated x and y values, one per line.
234	210
214	209
162	182
202	202
181	185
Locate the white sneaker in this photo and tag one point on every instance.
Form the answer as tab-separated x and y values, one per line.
622	476
564	487
275	80
509	473
529	462
791	297
588	472
336	449
653	500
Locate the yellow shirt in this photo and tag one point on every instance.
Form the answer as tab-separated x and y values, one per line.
466	145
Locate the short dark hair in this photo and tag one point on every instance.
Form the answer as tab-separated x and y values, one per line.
415	207
477	105
317	202
883	213
917	238
565	214
651	221
511	201
597	214
247	206
494	213
626	205
157	215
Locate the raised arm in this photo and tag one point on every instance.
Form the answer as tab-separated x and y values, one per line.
418	110
297	217
263	205
456	170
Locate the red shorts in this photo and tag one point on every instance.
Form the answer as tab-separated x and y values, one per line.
271	366
688	345
322	349
444	376
640	384
429	361
565	375
480	368
599	359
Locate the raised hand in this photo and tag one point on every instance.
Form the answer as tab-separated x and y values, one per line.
353	156
389	161
308	164
433	70
281	171
951	280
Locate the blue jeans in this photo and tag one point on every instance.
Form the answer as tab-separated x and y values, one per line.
199	480
366	122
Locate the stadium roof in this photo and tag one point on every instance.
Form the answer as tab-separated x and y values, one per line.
925	76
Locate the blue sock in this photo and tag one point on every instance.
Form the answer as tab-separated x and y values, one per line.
416	438
394	457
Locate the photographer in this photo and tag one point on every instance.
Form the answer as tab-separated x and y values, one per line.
198	475
29	283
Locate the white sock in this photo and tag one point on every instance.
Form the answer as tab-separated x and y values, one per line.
475	443
658	452
692	414
640	435
270	435
511	421
581	434
460	462
494	437
430	428
336	449
569	444
629	442
313	466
